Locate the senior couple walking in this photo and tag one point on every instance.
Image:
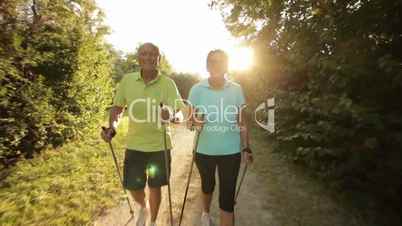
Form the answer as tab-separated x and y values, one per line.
223	139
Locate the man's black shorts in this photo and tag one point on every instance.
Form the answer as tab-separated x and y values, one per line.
140	167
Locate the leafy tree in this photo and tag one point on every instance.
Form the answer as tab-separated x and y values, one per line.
335	70
54	71
123	64
184	82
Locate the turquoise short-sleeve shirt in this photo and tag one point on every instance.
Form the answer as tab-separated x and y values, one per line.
221	133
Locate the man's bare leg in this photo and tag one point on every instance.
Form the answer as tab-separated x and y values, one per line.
154	202
139	196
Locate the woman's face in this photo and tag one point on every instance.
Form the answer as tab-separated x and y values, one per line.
217	65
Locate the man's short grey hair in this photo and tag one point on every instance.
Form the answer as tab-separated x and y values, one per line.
156	48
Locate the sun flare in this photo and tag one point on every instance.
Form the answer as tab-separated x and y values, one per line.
240	59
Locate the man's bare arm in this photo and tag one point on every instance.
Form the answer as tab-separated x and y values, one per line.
115	115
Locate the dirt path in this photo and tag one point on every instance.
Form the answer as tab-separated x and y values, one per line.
274	194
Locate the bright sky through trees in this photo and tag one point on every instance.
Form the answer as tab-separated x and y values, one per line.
185	31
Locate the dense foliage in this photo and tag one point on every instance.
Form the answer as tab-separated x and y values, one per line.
54	73
334	68
184	82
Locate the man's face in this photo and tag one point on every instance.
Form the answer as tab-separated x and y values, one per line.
148	57
217	65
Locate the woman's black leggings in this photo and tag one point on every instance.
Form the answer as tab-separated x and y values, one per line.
228	170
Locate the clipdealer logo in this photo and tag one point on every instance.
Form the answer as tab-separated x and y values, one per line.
264	115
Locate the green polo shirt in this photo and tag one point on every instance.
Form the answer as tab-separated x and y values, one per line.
145	131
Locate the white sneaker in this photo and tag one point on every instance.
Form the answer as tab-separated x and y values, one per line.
141	217
206	219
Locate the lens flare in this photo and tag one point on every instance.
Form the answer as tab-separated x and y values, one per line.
152	171
241	59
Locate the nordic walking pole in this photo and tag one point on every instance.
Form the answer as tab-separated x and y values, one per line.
238	188
241	182
116	164
247	150
197	136
167	169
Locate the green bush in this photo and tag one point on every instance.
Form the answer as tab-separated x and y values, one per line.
55	74
184	82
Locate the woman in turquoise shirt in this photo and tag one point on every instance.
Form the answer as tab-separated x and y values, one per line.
223	137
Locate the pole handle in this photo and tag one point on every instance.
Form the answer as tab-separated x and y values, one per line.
113	133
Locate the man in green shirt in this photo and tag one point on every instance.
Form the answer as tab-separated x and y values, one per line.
142	94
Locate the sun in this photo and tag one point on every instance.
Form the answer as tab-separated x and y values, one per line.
240	58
